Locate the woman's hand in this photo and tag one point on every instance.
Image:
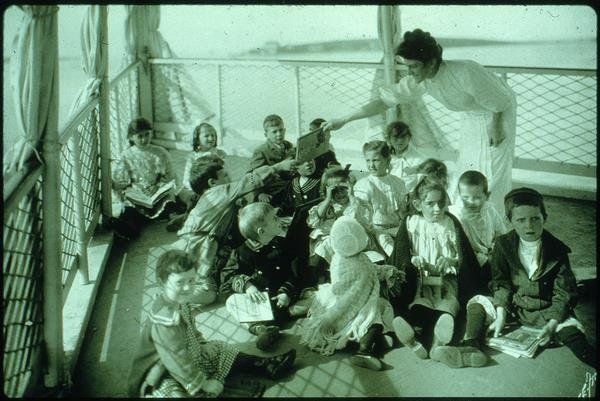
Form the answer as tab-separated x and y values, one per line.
283	300
266	198
548	331
255	295
213	388
498	324
333	124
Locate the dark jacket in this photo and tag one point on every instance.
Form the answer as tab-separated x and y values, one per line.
551	293
467	262
268	268
298	195
268	154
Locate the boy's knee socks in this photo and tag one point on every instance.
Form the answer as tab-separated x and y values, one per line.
576	341
475	322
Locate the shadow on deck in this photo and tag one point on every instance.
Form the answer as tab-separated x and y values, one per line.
128	286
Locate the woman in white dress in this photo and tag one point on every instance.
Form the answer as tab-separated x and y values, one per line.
487	104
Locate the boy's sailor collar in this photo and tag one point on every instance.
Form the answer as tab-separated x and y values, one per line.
254	245
164	311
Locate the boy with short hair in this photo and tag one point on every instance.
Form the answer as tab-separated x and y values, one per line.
210	231
275	149
532	283
261	263
480	219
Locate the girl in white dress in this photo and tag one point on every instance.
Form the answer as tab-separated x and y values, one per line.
486	102
350	308
432	242
405	157
384	193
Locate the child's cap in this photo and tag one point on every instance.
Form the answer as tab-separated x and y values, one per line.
348	237
523	191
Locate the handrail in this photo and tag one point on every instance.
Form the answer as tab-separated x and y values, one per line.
20	190
360	64
71	125
123	73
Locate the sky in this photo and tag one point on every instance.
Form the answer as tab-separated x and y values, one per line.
221	30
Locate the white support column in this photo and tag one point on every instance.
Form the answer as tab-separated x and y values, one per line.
51	230
389	72
104	122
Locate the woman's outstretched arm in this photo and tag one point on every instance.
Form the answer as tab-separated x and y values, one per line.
370	109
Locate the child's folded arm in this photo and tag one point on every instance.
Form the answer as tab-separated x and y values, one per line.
564	293
170	345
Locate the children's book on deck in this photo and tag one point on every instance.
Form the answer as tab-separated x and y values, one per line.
245	310
311	145
137	197
520	342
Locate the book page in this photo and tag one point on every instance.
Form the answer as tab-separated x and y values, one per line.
245	310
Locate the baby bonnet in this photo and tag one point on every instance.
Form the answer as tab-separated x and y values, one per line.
347	236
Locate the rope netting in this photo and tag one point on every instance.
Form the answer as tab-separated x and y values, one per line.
556	114
22	304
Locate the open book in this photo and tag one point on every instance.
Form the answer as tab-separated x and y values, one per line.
520	342
245	310
137	197
311	145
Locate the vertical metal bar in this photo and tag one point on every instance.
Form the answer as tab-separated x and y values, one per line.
145	89
220	102
297	98
79	211
53	331
104	121
389	72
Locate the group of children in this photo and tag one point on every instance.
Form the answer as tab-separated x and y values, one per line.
367	262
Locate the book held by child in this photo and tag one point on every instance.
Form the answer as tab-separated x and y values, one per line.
521	342
136	196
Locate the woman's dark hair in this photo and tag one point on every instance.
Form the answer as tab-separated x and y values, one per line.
435	169
381	147
396	129
196	136
203	169
421	46
335	171
140	124
173	261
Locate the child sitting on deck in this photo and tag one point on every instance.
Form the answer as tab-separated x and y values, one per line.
261	264
144	168
274	150
338	199
204	143
432	243
480	220
210	231
405	158
173	358
532	283
384	193
350	308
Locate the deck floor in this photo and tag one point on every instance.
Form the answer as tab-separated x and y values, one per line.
128	285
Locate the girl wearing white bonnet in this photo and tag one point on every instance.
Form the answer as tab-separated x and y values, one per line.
350	307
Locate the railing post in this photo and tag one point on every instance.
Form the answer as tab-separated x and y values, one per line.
51	231
389	71
297	96
104	121
220	102
79	211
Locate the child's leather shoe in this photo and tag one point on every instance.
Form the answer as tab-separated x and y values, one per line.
277	366
366	360
266	336
459	357
406	335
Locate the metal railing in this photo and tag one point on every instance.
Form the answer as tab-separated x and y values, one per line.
556	123
80	212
